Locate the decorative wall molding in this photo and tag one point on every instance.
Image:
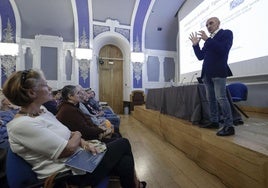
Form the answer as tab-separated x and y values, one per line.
84	68
160	55
83	40
50	38
8	64
82	23
112	26
8	33
124	32
98	29
8	60
51	42
137	71
136	45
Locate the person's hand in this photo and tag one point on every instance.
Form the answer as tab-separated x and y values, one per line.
90	147
76	134
103	127
108	133
108	130
202	34
101	113
194	38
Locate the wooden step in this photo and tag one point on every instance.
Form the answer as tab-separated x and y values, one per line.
239	161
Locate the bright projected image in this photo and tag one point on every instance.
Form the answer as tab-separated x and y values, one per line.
246	18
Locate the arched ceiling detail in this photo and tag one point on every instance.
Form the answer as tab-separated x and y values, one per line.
57	18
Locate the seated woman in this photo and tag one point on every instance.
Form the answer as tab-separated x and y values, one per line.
7	113
70	115
95	109
45	143
95	104
100	121
52	105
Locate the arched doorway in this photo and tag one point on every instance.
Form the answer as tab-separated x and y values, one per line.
111	77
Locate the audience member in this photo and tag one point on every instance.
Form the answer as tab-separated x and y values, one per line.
95	104
45	143
52	105
97	120
7	113
70	115
113	118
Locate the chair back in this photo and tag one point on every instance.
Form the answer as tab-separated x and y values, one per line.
137	97
19	173
238	91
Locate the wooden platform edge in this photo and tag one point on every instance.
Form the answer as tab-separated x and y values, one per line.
237	166
255	109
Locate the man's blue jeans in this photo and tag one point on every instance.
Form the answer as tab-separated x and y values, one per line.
216	95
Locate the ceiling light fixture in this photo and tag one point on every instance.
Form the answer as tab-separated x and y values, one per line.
83	53
137	57
9	49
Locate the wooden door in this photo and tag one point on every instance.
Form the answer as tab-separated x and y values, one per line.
111	77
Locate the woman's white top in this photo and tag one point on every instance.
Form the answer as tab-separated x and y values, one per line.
39	140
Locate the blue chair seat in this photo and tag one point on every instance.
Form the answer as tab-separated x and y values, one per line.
236	99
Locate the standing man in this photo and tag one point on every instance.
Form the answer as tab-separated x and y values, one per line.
215	69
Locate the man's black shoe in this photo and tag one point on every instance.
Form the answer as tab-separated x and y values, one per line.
226	131
212	125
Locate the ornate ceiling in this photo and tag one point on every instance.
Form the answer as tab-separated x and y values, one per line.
62	17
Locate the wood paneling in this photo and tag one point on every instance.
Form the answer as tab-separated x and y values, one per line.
255	109
159	163
239	161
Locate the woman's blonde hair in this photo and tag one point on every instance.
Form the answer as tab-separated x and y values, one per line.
16	87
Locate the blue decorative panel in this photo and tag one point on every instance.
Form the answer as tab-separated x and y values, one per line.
98	29
84	73
85	83
124	32
137	74
138	24
8	66
83	23
8	22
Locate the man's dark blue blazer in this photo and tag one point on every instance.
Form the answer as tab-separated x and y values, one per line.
215	55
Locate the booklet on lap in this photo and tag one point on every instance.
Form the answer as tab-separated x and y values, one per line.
85	160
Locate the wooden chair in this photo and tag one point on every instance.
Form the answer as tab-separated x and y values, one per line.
137	97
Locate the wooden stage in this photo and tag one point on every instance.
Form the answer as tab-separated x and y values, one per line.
239	161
